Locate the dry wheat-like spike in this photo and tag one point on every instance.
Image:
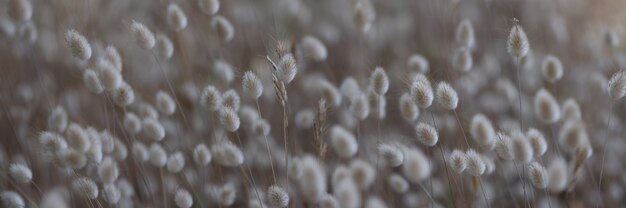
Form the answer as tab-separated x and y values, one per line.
202	155
465	34
229	119
140	152
462	59
418	63
343	142
277	197
211	98
517	42
458	161
504	147
21	173
408	108
552	69
227	154
347	194
164	46
78	44
426	134
359	106
252	85
209	7
313	179
379	82
158	156
12	199
415	167
111	194
546	107
538	175
482	130
537	141
92	82
363	173
124	95
176	162
57	120
314	48
392	154
617	85
398	183
558	175
183	198
143	36
176	18
475	164
153	129
447	96
223	28
85	187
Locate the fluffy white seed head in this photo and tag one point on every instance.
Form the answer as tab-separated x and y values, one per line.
465	34
277	197
364	15
229	119
164	46
504	146
552	69
202	155
482	130
343	142
415	167
517	42
111	193
224	71
330	93
124	95
418	63
153	129
422	91
537	142
92	81
164	103
363	173
158	156
113	56
78	44
617	85
108	171
223	28
313	179
314	48
475	164
94	154
52	142
522	149
227	154
132	123
391	154
287	68
120	152
408	108
458	161
558	175
375	202
20	173
426	134
611	39
328	201
359	106
347	194
538	175
77	138
348	87
211	98
20	10
305	119
140	152
176	18
379	82
398	183
231	99
546	107
143	36
183	198
85	187
252	85
57	120
110	78
209	7
11	199
573	135
446	96
261	127
462	60
570	110
176	162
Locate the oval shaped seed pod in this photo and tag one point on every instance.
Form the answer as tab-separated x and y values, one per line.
552	69
305	119
617	85
85	187
422	91
77	138
517	42
504	147
558	175
94	154
537	142
349	87
465	34
314	48
57	120
78	44
107	140
223	28
176	18
538	175
109	77
132	123
92	82
458	161
359	106
252	85
347	194
140	152
164	103
363	174
482	130
426	134
415	167
143	36
52	142
313	179
364	16
209	7
343	142
121	151
570	110
183	198
227	154
522	149
573	135
490	165
287	68
20	10
124	95
229	119
164	46
379	82
418	63
202	155
11	199
340	173
277	197
391	154
224	71
475	164
462	60
330	93
408	108
153	129
20	173
261	127
112	194
176	162
113	56
546	107
328	201
446	96
398	183
108	171
231	100
211	98
158	156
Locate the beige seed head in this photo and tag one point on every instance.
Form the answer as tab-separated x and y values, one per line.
408	108
277	197
552	69
164	103
416	167
77	138
85	187
522	149
78	44
482	130
108	171
617	85
224	71
570	110
537	142
465	34
287	68
517	43
132	123
140	152
164	46
379	82
504	146
446	96
143	36
153	129
398	183
363	173
422	91
176	18
158	156
12	199
364	15
111	193
183	198
21	173
113	56
20	10
426	134
227	154
343	142
458	161
229	119
176	162
314	48
359	106
573	135
313	179
124	95
475	164
211	98
252	85
92	82
546	107
558	175
538	175
462	59
223	28
57	120
230	99
202	155
110	77
347	194
209	7
391	154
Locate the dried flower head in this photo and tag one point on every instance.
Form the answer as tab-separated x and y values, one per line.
78	44
537	142
570	110
153	129
343	142
359	106
313	179
546	107
132	123
252	85
517	43
85	187
391	154
20	173
538	175
231	99
482	130
552	69
124	95
143	36
446	96
113	56
465	34
164	46
408	108
223	28
183	198
475	164
522	149
458	161
462	59
12	199
92	81
164	103
211	98
398	183
363	173
287	68
108	171
111	193
314	48
422	91
202	155
426	134
558	175
57	120
277	197
227	154
229	119
504	146
176	162
176	18
158	156
416	167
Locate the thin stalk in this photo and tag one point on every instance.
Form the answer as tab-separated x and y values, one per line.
267	144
